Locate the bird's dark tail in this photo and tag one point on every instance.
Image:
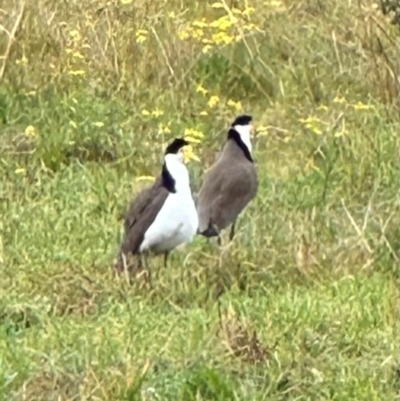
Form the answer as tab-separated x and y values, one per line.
210	231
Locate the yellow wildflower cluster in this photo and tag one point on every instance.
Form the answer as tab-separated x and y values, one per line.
192	135
30	131
141	35
22	61
75	48
155	113
315	124
356	106
164	128
214	100
221	32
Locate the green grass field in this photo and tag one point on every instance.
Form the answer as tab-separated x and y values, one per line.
303	304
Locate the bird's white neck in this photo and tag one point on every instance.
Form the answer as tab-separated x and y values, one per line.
178	171
244	133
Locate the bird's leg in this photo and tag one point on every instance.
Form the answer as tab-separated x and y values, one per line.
232	233
166	254
144	264
216	232
148	270
120	264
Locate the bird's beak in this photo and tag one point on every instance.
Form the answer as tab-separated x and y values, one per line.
188	154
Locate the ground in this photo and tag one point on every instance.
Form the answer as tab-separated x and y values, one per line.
303	304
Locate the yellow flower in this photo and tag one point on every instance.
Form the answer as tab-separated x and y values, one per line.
192	139
262	130
30	131
362	106
98	124
222	37
235	105
75	34
189	154
163	128
22	61
224	23
190	132
183	34
141	35
145	112
312	123
248	11
201	89
157	112
339	99
203	113
213	101
340	133
200	24
76	72
250	27
206	49
140	39
197	33
76	54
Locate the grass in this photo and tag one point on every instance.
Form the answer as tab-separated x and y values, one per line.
303	305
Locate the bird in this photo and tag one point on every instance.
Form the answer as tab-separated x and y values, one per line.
163	216
230	184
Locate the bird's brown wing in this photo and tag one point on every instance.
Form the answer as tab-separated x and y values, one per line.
137	205
226	192
141	214
205	198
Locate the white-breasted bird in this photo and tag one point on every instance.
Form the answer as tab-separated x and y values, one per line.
163	216
230	184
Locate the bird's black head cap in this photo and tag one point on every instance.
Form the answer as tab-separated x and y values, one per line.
235	136
242	120
172	148
175	145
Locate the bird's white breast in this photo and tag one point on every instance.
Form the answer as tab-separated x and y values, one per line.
177	221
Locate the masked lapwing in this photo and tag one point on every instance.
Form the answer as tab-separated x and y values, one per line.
230	184
162	216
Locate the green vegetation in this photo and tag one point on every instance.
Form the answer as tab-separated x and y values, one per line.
303	304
